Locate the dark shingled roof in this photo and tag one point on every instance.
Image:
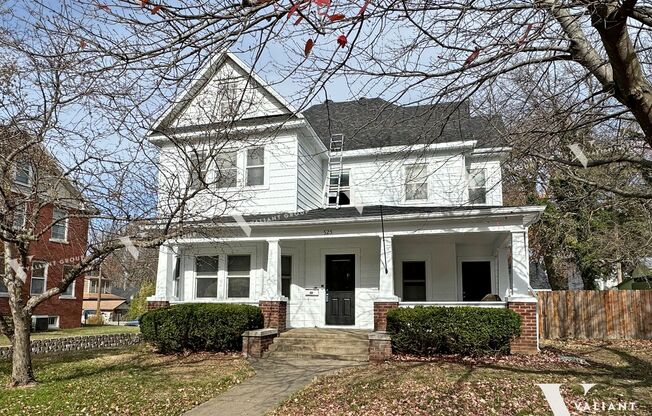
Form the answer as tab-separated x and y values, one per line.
374	122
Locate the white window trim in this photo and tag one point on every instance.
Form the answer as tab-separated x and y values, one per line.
45	277
72	285
65	224
426	260
216	277
226	274
405	183
204	160
265	167
468	187
24	209
30	173
235	167
58	318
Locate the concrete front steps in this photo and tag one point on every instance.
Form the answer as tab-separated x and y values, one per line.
321	343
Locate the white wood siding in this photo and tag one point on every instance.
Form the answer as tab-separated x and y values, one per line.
310	176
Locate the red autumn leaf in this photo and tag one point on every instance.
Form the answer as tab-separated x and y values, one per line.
322	3
341	40
296	22
309	44
82	43
143	3
293	9
103	7
364	8
155	9
474	55
337	16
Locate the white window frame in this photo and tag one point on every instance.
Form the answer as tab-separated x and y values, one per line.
45	277
264	166
412	181
29	174
23	208
64	295
470	175
426	285
65	226
218	168
343	189
238	276
215	277
50	327
200	157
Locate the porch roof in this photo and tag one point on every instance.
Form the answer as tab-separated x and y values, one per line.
353	214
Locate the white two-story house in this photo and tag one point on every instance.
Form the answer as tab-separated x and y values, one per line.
406	210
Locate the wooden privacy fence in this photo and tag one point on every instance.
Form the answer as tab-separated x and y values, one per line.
609	314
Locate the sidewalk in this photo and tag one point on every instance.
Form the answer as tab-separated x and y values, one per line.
275	381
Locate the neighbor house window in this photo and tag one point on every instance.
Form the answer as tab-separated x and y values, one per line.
3	288
414	281
19	217
197	171
477	186
238	271
345	188
206	268
416	182
70	291
60	225
227	170
256	166
286	275
23	174
39	277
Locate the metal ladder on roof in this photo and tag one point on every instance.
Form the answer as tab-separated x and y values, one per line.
334	184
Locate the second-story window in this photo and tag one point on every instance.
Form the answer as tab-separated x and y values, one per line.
197	171
60	225
227	169
23	173
416	182
345	188
255	166
477	186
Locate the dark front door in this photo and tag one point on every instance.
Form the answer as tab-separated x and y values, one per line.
476	280
340	289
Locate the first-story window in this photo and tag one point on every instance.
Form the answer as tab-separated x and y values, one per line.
39	277
238	273
70	291
53	322
416	182
477	186
255	166
286	275
414	281
206	268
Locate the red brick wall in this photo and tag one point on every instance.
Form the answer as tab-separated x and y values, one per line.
57	255
255	346
274	313
380	314
527	342
157	304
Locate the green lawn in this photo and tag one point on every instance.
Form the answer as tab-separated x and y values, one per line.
134	381
505	386
85	330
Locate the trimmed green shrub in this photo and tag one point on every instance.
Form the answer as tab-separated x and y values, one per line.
200	326
427	330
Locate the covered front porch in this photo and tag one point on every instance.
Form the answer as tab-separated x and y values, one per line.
339	272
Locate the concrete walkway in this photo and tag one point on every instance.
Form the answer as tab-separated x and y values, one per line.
275	381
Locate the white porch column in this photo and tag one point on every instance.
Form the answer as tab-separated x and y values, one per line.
503	273
272	278
520	265
164	273
386	283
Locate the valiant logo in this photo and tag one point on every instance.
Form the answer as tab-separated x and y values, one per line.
556	402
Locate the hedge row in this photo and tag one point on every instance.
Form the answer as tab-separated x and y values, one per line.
200	327
431	330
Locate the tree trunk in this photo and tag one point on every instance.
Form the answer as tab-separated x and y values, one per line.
21	370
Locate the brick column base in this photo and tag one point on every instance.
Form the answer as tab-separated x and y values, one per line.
380	314
528	341
380	347
256	342
274	313
157	304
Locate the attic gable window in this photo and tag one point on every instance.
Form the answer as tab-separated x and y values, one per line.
477	186
256	166
416	182
23	173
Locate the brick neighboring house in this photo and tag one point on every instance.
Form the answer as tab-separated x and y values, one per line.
59	248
